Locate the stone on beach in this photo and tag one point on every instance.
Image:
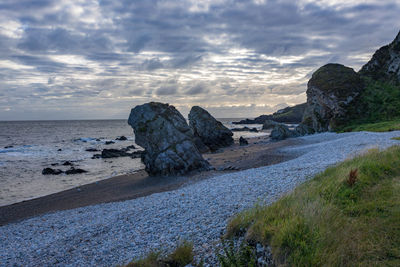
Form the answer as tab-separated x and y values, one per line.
243	141
281	131
167	139
50	171
211	132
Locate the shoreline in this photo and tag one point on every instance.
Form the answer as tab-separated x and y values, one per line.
260	152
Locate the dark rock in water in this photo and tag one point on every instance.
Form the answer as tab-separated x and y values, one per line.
72	170
50	171
281	131
67	163
54	164
167	139
8	147
331	91
385	63
109	142
286	115
245	129
243	141
211	132
98	140
59	149
130	147
91	149
269	124
121	138
113	153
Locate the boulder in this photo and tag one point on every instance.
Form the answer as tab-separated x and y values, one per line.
167	139
281	131
243	141
331	91
245	129
109	142
211	132
269	124
303	129
385	63
121	138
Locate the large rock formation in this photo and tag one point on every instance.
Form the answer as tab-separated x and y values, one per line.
286	115
281	131
385	63
331	91
167	139
211	132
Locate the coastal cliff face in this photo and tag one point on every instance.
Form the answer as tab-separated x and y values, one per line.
167	139
385	63
331	90
210	131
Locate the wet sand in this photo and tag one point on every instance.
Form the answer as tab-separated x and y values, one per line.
259	152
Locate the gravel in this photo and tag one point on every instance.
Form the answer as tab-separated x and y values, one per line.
114	233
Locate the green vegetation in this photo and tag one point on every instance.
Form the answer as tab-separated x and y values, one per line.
346	216
243	255
396	138
181	256
384	126
377	108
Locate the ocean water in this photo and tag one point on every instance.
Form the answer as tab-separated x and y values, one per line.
27	147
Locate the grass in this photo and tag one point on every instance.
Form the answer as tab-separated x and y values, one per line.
346	216
396	138
377	109
385	126
181	256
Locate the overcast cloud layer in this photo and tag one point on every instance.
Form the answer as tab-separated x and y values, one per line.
97	59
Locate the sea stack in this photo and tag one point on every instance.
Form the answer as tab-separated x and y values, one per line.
332	89
167	139
210	131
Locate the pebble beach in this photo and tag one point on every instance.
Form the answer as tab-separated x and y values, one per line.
114	233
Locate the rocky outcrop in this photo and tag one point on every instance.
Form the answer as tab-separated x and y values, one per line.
245	129
167	139
281	131
269	124
385	63
331	90
211	132
286	115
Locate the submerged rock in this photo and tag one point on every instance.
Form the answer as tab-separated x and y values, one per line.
72	170
211	132
331	91
167	139
121	138
91	149
281	131
243	141
245	129
50	171
109	142
67	163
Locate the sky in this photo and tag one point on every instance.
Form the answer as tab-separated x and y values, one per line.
73	59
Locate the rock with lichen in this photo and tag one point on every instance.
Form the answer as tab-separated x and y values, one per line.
385	63
167	139
332	89
211	132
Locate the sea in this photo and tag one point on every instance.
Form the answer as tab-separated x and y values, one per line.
27	147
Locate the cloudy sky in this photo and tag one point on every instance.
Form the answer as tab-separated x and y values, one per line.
71	59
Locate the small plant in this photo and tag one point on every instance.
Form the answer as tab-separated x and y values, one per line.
353	176
182	255
241	256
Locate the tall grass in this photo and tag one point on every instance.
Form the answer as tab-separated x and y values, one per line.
331	222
